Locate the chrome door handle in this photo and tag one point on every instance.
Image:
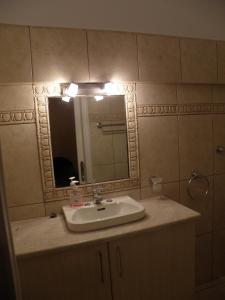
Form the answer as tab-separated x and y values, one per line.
119	262
101	272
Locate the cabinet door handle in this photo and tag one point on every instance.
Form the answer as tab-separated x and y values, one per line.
119	262
101	266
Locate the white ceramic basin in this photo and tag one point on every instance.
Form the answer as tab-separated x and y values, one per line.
110	212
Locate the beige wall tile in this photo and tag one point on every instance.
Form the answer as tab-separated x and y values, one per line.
219	254
196	146
200	203
26	212
147	192
170	190
203	259
13	97
59	54
219	140
55	207
158	139
221	61
219	201
15	60
219	93
213	293
198	61
112	56
21	165
159	58
190	93
148	93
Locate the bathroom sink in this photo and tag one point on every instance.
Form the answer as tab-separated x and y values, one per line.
110	212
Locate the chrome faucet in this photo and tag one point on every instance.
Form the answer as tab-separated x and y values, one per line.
98	196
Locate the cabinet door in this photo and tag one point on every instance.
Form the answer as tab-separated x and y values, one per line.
156	265
80	274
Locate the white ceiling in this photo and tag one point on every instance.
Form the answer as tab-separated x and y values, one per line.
191	18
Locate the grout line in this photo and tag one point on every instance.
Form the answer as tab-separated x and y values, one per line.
164	182
88	58
24	205
212	87
213	200
18	123
213	146
36	121
139	156
217	61
178	148
32	77
138	60
180	47
213	226
31	56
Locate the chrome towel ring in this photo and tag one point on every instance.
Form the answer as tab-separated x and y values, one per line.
197	175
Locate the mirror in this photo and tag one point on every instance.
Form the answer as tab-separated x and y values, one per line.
88	139
45	93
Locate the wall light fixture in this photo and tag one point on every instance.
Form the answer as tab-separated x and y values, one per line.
89	89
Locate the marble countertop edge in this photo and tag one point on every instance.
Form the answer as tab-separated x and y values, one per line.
41	235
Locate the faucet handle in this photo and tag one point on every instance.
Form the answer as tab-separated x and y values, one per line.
97	190
97	195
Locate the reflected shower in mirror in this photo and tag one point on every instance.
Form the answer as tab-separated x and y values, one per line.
88	139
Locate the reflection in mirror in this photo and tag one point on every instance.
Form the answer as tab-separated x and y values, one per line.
89	139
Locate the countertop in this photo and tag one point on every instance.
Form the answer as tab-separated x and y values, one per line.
38	235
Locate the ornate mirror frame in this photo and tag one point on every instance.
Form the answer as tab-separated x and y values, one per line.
41	92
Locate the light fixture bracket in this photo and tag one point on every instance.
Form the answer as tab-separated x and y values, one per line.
87	88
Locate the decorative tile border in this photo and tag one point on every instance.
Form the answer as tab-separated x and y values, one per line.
41	93
108	187
150	110
12	117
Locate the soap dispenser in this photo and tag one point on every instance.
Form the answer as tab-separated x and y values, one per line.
76	197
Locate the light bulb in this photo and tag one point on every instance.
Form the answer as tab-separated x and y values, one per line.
71	90
111	88
66	98
99	98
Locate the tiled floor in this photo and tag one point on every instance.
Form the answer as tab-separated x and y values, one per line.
213	293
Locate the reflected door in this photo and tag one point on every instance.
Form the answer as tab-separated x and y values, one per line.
83	140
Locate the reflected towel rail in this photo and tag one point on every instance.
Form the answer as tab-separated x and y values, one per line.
100	125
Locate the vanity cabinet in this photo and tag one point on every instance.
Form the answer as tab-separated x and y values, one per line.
81	274
156	265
